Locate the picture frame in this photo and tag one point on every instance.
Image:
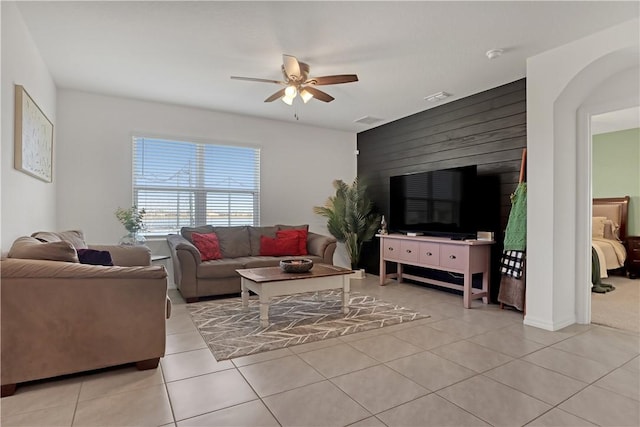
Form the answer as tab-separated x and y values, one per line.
33	138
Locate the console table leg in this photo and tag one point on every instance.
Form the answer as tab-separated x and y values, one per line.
399	273
466	293
485	286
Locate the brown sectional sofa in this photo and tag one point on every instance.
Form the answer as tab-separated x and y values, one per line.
62	317
240	248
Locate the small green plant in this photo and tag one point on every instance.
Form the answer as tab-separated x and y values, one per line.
131	218
351	218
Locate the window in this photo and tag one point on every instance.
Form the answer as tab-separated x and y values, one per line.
186	184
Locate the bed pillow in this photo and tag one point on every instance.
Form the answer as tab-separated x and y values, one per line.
611	230
597	226
300	234
208	245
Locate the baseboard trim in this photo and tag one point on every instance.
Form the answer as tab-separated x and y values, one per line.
549	326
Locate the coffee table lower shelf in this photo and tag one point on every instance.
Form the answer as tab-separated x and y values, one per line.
271	282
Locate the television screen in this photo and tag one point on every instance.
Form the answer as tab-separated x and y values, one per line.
435	203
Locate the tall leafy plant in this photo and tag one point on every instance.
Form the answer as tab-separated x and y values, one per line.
351	218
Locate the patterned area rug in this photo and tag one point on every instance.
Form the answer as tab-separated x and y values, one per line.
230	331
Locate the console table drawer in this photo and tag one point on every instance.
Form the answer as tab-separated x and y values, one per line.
429	254
409	251
391	249
453	256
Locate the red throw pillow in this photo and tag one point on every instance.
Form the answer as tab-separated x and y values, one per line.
299	234
278	246
208	245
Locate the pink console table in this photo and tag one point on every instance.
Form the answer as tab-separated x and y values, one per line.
465	257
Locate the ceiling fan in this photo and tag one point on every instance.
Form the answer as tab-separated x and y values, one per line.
297	81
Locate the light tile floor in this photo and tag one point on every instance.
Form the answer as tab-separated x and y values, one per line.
457	368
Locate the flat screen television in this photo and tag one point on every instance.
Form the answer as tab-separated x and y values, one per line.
435	203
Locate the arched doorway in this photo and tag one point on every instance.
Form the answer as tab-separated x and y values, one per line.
563	90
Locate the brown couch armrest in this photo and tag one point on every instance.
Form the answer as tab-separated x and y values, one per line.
186	258
126	256
322	246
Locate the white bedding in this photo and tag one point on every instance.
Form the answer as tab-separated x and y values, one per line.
611	254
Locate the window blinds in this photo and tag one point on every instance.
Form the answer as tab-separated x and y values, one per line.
186	184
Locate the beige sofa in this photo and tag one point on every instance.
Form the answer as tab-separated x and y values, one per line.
240	248
60	317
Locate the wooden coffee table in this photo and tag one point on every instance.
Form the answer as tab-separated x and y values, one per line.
269	282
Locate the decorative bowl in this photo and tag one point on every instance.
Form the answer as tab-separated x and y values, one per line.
296	265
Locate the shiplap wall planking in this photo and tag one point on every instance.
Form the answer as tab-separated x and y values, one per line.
487	129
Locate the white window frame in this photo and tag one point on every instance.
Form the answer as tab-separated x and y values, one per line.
198	201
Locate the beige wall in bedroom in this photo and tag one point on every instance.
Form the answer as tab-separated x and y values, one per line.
616	156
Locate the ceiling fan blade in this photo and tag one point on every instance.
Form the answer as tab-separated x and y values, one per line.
333	80
291	67
251	79
318	94
279	94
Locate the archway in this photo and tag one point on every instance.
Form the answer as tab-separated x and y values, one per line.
607	84
561	88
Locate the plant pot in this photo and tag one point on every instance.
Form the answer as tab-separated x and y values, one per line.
358	274
132	239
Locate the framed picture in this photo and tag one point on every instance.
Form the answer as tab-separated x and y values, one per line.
33	138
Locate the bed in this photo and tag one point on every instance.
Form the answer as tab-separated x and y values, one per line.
609	232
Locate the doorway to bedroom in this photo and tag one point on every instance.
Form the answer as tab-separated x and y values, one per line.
615	297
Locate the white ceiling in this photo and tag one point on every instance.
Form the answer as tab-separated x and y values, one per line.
185	52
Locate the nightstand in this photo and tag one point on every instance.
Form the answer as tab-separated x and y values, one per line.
633	256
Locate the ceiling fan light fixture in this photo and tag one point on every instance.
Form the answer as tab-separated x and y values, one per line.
305	95
288	99
291	91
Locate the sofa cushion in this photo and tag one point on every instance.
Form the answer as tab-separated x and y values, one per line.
218	269
75	237
94	257
300	234
234	241
254	237
278	246
259	261
187	231
208	245
32	248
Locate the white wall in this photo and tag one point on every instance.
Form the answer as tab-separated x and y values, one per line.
299	163
556	194
28	204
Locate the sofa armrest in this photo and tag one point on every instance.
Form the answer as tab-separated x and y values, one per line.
126	256
322	246
186	258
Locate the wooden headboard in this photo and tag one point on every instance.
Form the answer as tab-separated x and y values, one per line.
616	209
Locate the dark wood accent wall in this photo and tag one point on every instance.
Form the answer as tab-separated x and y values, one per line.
488	129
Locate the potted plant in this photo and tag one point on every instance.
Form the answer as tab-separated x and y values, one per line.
132	219
350	217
